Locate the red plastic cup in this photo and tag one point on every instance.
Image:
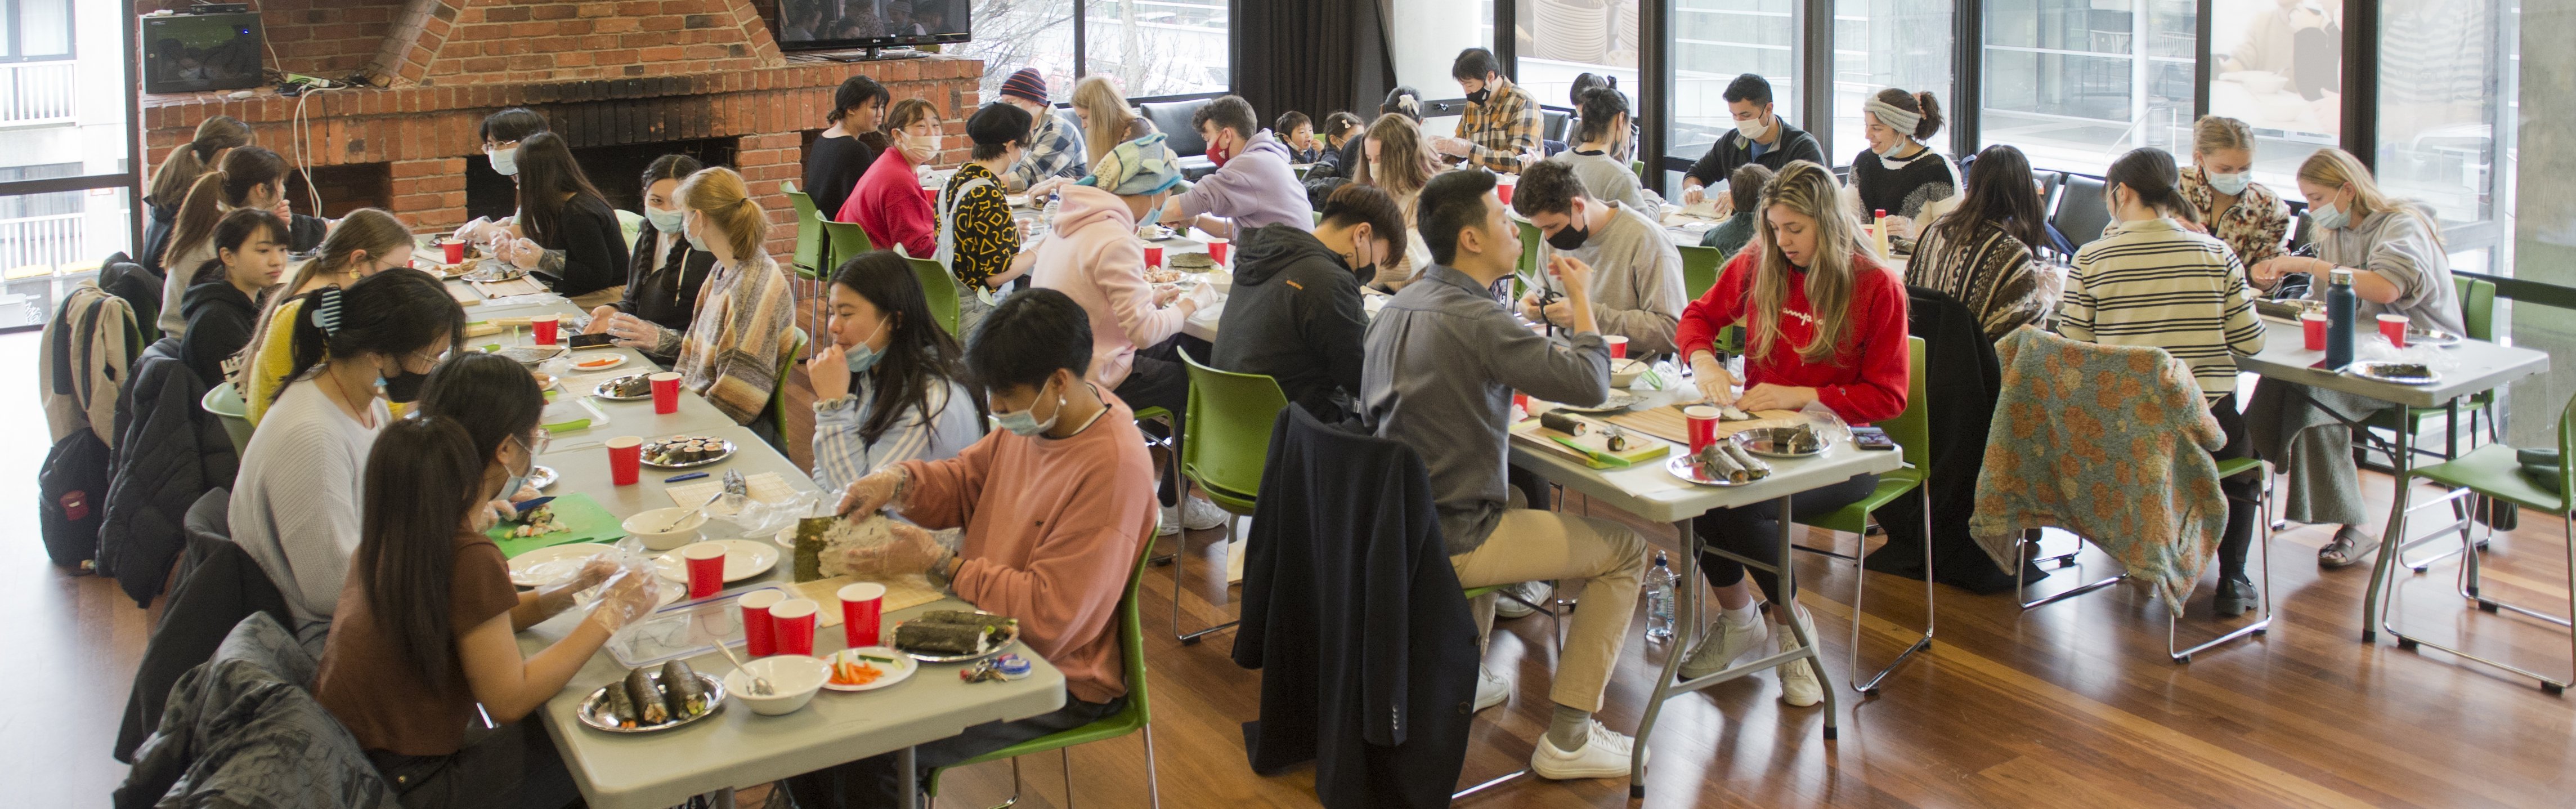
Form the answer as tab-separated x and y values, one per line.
1217	248
2393	327
544	327
1521	400
862	613
2313	324
666	393
1153	255
1703	426
625	459
706	568
759	631
455	250
1503	189
793	622
1618	346
930	195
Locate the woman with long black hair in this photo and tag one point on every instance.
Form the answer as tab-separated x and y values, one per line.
572	240
1980	252
887	389
665	272
248	177
224	293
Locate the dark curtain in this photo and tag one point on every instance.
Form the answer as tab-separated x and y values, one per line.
1312	56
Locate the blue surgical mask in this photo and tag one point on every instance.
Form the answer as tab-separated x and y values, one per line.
510	487
1025	422
860	357
2229	184
505	161
695	243
1895	150
665	221
2328	216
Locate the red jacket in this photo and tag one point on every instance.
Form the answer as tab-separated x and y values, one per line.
1866	380
888	204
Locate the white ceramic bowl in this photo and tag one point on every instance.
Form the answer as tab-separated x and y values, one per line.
793	679
642	526
1625	370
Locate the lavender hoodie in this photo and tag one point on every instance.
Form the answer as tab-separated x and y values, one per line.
1254	189
1093	257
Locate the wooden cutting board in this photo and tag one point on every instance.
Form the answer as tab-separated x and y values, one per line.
902	593
522	285
1668	423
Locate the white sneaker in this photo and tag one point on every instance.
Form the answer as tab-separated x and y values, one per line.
1724	645
1167	521
1798	684
1197	514
1491	689
1604	754
1534	592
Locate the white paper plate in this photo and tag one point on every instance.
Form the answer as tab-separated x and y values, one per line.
743	559
895	672
614	361
553	564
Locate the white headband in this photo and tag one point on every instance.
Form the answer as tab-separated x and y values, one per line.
1894	117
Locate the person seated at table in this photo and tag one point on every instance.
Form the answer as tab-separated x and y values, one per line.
1760	136
1253	185
1738	229
1898	173
1055	507
426	644
295	502
845	150
215	137
1296	315
2154	282
888	387
366	242
1055	150
2220	184
1399	164
1621	143
1297	132
1636	272
571	240
664	273
249	177
887	204
731	351
1341	135
2399	266
1106	119
502	131
1596	158
1500	128
224	293
1981	253
1824	325
1443	360
979	241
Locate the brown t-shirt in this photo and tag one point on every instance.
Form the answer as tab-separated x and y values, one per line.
383	698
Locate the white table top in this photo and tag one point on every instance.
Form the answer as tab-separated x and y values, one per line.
1649	492
2480	366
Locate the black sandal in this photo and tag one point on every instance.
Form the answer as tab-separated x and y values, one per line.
2348	547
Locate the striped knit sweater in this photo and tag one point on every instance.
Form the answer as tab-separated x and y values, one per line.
2152	283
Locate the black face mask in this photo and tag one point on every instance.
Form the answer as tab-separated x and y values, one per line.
1569	237
1364	272
1478	97
405	387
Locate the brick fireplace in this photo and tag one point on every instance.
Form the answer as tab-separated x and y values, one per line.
614	78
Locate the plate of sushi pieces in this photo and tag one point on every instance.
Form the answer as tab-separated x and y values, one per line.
868	668
653	699
1802	441
628	388
955	636
686	451
1721	463
493	273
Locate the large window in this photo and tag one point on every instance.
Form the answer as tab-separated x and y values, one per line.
35	29
2280	70
2074	83
2441	111
1562	39
1013	34
1713	42
1158	47
1880	44
66	183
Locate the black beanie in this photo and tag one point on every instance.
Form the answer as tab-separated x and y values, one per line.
997	124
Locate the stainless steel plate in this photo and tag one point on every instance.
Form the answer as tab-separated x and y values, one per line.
651	448
2398	373
991	647
1681	467
1772	442
608	389
591	706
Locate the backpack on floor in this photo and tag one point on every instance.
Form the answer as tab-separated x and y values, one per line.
86	356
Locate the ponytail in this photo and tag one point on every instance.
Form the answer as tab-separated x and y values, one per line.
187	161
395	314
1931	115
225	188
719	193
2150	173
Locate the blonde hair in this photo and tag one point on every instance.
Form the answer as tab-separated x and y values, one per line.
1397	138
189	160
720	194
1110	117
1806	188
2337	168
2214	132
373	230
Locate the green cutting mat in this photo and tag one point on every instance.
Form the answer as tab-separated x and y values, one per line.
589	523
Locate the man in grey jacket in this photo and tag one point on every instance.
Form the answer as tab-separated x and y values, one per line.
1443	360
1636	272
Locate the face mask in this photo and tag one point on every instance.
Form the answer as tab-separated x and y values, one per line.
1373	172
665	221
2229	184
1753	129
1025	421
1893	151
505	161
2329	217
1364	272
511	486
1218	155
1569	237
695	243
403	387
860	357
1155	214
1478	97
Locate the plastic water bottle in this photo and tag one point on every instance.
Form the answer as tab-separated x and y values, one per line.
1659	600
2343	307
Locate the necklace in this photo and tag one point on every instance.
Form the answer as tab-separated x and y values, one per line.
366	415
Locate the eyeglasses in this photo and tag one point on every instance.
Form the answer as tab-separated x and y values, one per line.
536	445
503	146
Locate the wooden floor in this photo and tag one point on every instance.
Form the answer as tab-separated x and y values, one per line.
2073	704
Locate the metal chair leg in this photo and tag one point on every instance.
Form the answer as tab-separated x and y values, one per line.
2028	537
2261	625
1064	755
1180	567
2388	623
1153	783
1860	589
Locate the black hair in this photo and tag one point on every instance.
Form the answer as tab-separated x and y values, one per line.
547	171
1919	103
1748	87
1998	191
1475	63
493	396
1342	125
235	230
1227	112
228	186
668	167
1597	107
1289	122
396	314
422	479
856	91
1356	204
515	123
2150	173
1028	338
920	357
1547	186
1403	100
1453	201
1014	118
1587	81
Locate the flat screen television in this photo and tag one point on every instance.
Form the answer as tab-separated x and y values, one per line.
843	24
186	53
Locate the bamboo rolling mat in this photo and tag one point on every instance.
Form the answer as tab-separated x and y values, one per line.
522	285
902	593
1667	422
464	296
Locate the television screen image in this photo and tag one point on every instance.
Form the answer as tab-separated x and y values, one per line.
821	24
184	53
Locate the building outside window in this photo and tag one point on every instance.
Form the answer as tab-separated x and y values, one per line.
1880	44
1713	42
2075	83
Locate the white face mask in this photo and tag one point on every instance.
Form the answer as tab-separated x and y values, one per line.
1754	129
505	161
2229	184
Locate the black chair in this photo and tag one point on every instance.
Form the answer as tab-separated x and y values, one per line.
2080	215
1173	119
219	585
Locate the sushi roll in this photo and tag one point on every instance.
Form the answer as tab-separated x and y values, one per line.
972	618
937	638
618	709
649	710
681	690
1756	468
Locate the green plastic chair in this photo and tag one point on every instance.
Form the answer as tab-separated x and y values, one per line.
1530	241
1226	444
812	259
1137	716
793	346
228	408
2477	318
939	291
1699	269
1912	431
2492	472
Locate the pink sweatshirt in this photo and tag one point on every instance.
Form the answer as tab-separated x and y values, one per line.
1093	257
1053	526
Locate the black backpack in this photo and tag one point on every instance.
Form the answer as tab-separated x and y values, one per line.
73	483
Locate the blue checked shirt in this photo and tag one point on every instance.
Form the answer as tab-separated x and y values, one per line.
1055	150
